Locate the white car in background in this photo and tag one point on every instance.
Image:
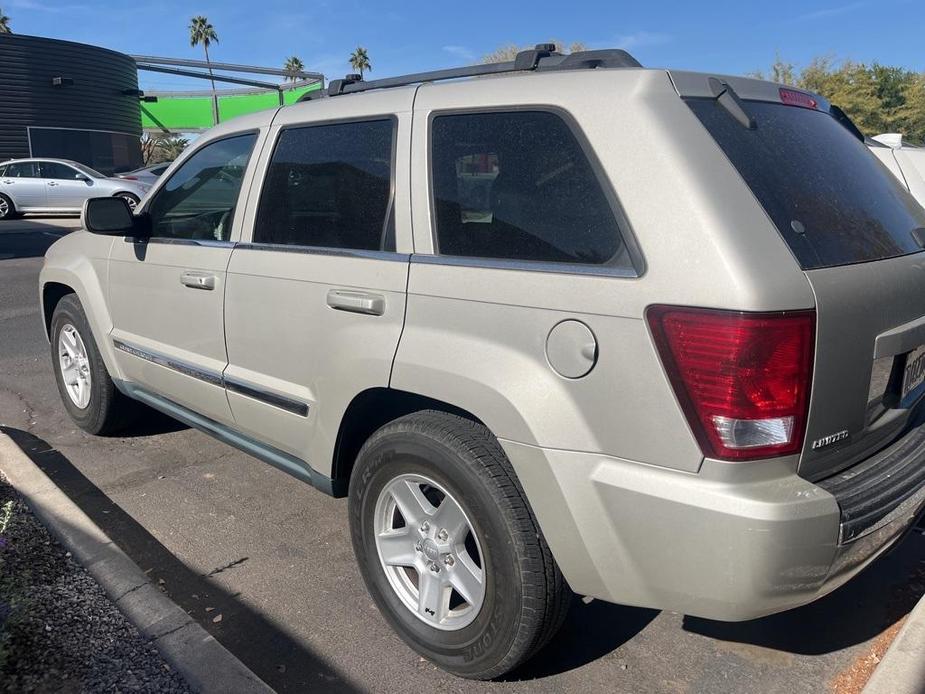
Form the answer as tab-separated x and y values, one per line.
906	161
58	186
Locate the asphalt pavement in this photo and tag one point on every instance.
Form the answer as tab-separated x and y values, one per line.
264	562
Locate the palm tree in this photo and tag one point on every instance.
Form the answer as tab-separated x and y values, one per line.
4	24
293	65
201	32
359	61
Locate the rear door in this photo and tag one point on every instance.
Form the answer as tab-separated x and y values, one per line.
857	233
21	183
315	300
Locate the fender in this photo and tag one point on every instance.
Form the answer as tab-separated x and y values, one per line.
81	261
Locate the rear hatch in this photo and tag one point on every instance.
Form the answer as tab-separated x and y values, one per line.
856	232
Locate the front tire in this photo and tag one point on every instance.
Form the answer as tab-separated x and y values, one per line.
130	198
87	391
449	547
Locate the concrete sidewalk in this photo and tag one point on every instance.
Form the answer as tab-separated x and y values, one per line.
902	670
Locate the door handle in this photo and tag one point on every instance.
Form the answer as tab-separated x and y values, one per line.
357	302
8	182
198	280
52	183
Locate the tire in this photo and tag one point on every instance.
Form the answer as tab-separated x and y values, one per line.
524	598
130	198
7	208
105	410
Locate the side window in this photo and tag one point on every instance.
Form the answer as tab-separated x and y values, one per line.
518	186
51	169
198	201
329	186
24	169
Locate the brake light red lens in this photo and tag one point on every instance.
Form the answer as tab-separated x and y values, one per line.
742	379
130	178
791	97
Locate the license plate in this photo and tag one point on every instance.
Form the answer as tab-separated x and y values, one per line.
913	376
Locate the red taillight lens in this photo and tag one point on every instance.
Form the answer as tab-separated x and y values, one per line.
129	178
791	97
742	378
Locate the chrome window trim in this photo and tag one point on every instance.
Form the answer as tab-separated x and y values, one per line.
207	243
527	265
326	251
216	379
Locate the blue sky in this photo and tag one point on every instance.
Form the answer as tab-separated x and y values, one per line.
731	37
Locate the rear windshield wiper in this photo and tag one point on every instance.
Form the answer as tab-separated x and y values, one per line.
726	97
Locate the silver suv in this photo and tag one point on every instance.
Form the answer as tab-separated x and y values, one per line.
649	336
59	186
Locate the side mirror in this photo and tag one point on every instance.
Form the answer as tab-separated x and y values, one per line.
109	217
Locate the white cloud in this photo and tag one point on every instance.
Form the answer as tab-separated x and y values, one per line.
832	11
460	52
641	38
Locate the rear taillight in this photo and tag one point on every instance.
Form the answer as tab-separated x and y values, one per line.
129	178
742	378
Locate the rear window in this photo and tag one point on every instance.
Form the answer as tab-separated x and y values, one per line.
832	201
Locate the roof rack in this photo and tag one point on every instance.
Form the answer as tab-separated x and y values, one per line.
542	57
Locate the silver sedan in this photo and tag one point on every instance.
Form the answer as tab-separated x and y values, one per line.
58	185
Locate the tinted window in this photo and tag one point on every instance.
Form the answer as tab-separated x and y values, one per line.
329	186
21	170
52	169
198	200
832	201
519	186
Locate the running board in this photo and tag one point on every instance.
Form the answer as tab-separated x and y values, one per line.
296	467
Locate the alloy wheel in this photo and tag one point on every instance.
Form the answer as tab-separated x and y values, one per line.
75	365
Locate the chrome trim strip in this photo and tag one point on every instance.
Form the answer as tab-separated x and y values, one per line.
284	403
528	265
211	377
207	243
318	250
215	379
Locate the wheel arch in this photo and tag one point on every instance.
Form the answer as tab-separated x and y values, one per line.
52	293
370	410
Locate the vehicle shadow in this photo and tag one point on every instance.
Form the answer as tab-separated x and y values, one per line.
28	237
858	611
266	648
591	631
150	423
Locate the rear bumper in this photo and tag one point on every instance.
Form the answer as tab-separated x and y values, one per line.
701	544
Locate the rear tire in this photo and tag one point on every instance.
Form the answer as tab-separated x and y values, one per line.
130	198
523	598
7	209
87	391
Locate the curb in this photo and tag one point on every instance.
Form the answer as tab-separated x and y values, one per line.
902	670
204	663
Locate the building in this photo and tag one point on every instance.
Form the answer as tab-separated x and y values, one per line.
69	100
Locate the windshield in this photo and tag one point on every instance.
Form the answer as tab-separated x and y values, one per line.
92	173
832	201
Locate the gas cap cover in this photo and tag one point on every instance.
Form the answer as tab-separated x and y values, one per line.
571	349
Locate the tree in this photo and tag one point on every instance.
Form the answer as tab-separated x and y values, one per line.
781	72
4	24
508	52
156	149
293	65
359	61
201	32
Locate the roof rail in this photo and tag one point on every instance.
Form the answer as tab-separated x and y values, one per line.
542	57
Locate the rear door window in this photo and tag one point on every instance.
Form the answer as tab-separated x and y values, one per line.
831	200
329	186
26	169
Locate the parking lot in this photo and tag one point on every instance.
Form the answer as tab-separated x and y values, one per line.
265	564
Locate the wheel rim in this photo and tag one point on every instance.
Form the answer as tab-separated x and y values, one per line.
430	552
74	365
4	207
132	202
